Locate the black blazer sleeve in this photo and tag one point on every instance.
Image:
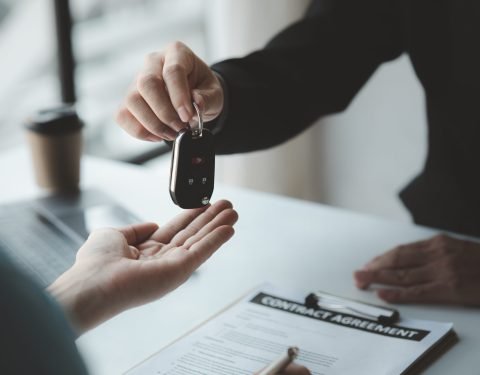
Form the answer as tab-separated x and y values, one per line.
313	68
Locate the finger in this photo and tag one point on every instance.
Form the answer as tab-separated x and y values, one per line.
199	99
177	67
200	251
199	222
409	255
154	248
226	217
132	126
209	101
152	88
427	293
294	369
166	232
138	233
396	277
139	108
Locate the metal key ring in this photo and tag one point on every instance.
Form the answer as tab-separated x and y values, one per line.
197	131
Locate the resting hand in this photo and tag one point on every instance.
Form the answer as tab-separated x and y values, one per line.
159	103
439	270
119	269
294	369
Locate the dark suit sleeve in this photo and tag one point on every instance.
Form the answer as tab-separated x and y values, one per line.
313	68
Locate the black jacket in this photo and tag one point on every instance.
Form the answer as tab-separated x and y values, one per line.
316	66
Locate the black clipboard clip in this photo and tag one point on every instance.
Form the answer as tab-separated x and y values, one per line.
382	314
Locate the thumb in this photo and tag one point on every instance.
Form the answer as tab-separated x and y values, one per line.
209	101
138	233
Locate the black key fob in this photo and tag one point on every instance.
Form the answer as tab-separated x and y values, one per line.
193	168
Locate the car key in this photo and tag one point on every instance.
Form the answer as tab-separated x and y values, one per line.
192	169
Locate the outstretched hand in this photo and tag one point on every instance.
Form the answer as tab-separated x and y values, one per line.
442	270
118	269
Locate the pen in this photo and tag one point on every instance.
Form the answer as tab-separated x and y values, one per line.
281	363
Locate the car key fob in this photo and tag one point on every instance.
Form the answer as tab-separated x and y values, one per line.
193	167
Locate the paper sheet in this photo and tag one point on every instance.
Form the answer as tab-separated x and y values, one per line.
247	336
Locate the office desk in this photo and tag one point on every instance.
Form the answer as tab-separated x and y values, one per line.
284	241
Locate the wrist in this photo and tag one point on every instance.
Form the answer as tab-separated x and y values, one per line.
81	301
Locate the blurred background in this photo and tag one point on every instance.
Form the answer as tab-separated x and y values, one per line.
357	160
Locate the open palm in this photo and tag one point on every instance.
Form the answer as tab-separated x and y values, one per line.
119	269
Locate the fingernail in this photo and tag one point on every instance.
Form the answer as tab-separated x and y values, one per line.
178	125
362	275
362	279
153	138
184	114
360	285
171	134
198	98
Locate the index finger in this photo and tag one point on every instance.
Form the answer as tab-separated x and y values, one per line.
165	233
408	255
184	225
176	69
200	222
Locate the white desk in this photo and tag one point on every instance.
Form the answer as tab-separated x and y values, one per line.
284	241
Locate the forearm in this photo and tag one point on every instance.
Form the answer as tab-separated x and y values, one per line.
313	68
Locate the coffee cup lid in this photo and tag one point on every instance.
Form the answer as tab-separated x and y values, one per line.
55	121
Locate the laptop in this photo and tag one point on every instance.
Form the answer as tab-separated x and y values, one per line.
42	236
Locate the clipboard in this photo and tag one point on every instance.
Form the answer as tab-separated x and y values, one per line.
249	333
384	315
380	313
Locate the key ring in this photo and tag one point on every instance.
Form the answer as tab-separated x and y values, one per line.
197	131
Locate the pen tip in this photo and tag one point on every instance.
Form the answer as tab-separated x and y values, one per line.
293	352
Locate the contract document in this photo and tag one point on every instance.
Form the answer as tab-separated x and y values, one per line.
248	335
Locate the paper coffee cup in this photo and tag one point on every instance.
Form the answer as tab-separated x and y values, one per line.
55	140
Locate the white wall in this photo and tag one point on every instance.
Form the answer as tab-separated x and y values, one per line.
357	160
368	153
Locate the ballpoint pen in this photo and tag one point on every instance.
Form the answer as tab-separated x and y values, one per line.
281	363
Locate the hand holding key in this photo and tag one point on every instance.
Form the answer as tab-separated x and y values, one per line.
159	103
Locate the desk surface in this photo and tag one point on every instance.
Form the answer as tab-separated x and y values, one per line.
284	241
